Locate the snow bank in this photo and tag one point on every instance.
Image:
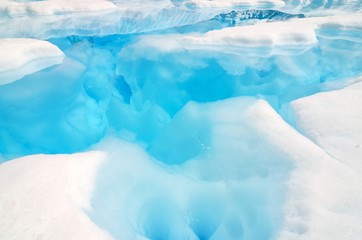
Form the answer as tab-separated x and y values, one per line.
264	39
13	8
44	197
333	121
325	197
21	57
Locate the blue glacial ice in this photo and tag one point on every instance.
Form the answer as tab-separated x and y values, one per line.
196	104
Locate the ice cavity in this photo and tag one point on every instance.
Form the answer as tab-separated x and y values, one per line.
226	184
21	57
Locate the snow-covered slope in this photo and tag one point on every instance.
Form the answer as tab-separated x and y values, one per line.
13	8
333	121
46	196
332	207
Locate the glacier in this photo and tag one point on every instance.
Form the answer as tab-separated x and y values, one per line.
180	119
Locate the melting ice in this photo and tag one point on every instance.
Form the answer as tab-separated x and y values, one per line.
185	119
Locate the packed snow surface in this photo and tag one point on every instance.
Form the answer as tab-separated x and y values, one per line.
55	191
180	119
21	57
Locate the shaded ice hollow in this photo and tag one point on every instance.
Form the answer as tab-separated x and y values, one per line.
182	119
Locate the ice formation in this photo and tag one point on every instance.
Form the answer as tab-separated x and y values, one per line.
180	119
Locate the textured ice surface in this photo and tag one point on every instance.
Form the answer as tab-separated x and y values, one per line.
200	119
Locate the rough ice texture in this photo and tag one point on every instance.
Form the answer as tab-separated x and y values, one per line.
21	57
46	196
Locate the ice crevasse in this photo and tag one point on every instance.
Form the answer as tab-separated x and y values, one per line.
180	119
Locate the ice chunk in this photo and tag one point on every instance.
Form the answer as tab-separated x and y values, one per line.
45	196
21	57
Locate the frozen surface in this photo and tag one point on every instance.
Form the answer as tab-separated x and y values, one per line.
342	137
325	202
13	8
21	57
198	119
44	197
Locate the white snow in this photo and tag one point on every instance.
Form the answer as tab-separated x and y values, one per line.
46	196
289	35
20	57
293	37
13	8
325	199
333	121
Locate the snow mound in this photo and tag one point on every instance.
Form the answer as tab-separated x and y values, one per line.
340	137
21	57
45	196
325	200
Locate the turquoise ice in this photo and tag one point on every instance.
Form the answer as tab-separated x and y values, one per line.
195	102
